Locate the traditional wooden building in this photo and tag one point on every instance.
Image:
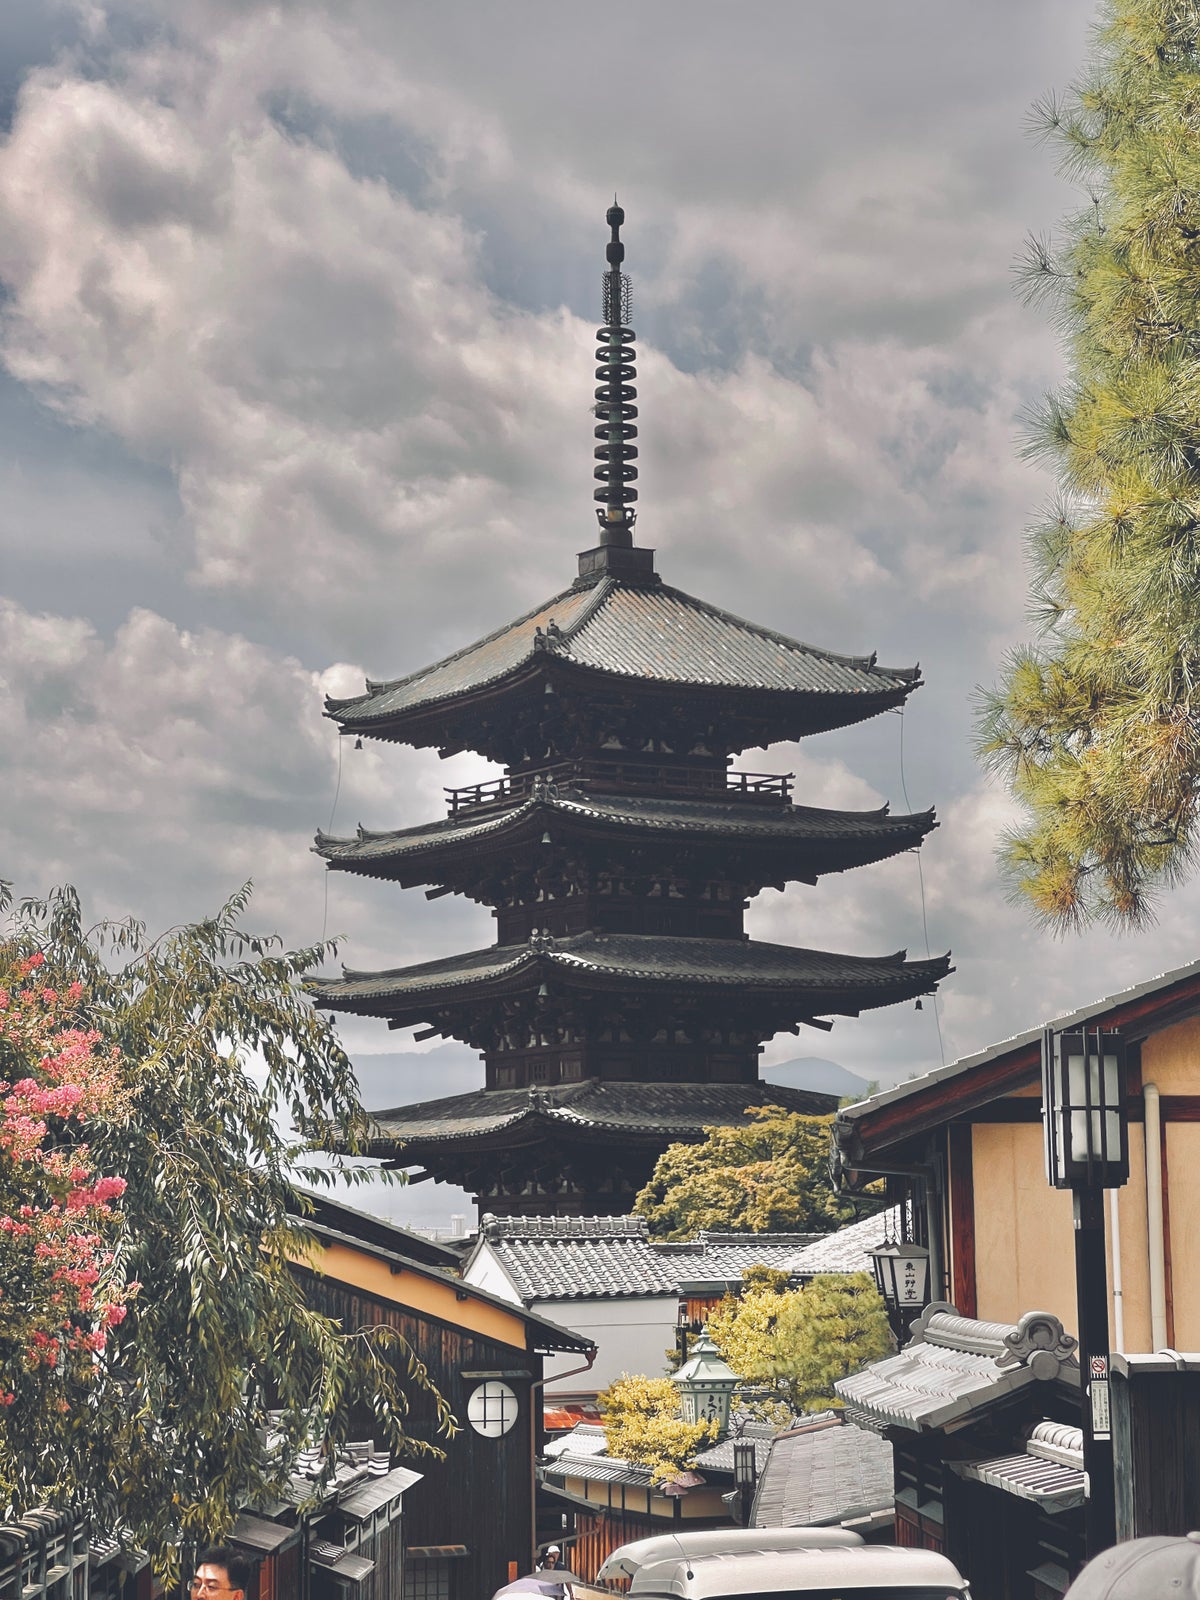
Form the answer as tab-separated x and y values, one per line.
468	1523
623	1006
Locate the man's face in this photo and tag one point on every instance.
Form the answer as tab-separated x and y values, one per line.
551	1558
212	1582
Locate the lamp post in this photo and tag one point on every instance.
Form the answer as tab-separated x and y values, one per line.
902	1277
1087	1151
745	1477
706	1383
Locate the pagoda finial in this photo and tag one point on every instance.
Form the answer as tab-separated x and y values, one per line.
615	451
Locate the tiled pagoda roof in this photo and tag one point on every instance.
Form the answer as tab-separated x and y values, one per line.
817	980
621	1114
651	634
809	834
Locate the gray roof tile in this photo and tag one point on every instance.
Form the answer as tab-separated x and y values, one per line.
823	979
956	1365
876	833
587	1109
821	1473
846	1250
656	634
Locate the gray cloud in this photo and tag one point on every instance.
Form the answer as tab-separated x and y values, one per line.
297	334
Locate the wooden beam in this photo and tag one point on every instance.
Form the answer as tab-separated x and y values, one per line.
962	1220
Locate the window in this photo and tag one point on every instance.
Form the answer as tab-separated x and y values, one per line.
427	1580
492	1409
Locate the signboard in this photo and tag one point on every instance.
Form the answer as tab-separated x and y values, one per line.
1098	1390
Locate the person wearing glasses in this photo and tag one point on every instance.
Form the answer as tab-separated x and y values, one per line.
221	1574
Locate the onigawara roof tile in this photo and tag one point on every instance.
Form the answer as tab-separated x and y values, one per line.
954	1366
820	980
875	833
821	1473
649	634
618	1112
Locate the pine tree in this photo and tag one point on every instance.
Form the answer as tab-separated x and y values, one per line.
770	1173
1097	730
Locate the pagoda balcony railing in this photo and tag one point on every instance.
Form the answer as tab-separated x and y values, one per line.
697	782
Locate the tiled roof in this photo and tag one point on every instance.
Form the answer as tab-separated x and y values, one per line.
846	1250
547	1258
655	634
873	834
600	1469
584	1439
820	980
821	1473
719	1457
1048	1472
954	1366
628	1111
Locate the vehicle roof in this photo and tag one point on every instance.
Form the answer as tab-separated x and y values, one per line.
628	1558
746	1572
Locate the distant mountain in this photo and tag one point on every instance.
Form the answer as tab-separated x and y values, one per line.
406	1077
819	1075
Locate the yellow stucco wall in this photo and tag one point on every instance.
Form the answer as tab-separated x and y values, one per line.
1024	1249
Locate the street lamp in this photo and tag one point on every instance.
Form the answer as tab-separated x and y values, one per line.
706	1383
745	1478
902	1277
1087	1151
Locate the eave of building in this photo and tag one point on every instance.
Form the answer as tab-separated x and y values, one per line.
796	842
922	1104
587	1116
399	1281
809	981
630	637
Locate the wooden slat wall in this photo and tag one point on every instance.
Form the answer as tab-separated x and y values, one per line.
481	1495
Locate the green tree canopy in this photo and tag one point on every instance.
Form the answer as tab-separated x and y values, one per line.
771	1173
1097	730
217	1044
642	1423
793	1345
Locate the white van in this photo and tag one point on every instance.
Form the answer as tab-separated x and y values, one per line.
629	1558
868	1572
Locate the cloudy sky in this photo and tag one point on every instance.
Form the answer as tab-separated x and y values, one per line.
296	342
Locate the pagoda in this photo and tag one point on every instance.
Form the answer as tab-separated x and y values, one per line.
623	1007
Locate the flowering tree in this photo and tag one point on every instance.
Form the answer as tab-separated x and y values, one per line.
61	1289
148	1082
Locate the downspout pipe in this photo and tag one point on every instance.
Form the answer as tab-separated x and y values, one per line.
536	1432
928	1173
1154	1217
1118	1293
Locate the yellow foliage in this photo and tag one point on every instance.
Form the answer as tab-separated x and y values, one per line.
642	1424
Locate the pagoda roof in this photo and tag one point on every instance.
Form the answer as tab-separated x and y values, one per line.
815	980
623	1114
648	634
811	833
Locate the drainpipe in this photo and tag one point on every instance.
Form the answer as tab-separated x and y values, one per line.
1154	1218
1114	1214
535	1424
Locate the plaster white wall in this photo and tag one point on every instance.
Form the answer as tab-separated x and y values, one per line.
483	1271
632	1334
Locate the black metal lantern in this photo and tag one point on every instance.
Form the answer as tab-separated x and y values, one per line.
901	1274
1083	1109
745	1464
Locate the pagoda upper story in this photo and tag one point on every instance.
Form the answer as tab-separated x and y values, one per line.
618	854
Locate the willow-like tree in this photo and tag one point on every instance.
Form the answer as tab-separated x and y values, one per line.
770	1173
1097	730
159	1436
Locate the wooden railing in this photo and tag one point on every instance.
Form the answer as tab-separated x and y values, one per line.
657	778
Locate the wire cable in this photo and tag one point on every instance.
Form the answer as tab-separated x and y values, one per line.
921	881
337	789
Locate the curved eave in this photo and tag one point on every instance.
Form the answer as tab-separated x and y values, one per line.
795	713
639	965
491	1119
833	842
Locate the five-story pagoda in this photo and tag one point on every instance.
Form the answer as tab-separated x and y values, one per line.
622	1007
